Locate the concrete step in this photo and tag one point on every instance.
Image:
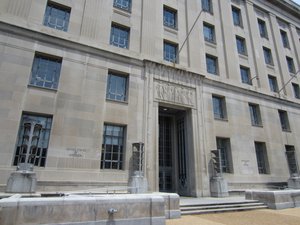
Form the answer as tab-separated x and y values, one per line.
220	207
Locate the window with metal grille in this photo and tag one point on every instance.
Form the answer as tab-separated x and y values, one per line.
45	71
123	4
262	158
116	87
170	17
112	156
33	140
57	16
119	36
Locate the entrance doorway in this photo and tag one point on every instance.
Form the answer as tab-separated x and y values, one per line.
173	176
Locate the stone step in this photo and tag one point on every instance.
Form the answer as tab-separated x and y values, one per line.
219	206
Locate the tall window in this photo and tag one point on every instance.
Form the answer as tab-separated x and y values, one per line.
226	159
262	28
284	120
57	16
236	16
296	90
291	159
119	36
245	75
219	107
170	17
207	5
285	39
255	115
123	4
45	71
290	63
241	45
273	83
262	158
170	52
112	156
209	33
33	140
116	87
212	64
268	56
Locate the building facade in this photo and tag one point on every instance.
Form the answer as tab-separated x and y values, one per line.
90	78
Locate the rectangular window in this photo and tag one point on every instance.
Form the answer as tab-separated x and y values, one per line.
226	159
123	4
33	140
112	156
268	56
236	16
116	87
262	28
219	107
241	45
273	83
255	115
284	120
245	75
284	38
262	158
209	33
170	52
57	16
291	160
207	6
290	63
296	90
170	17
212	64
45	71
119	36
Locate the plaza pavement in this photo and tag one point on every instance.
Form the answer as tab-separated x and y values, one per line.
255	217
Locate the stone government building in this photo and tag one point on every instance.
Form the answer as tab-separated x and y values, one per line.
96	76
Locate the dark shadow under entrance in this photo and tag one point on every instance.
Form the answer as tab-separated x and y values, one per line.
173	169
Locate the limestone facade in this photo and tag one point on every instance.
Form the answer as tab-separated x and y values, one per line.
161	96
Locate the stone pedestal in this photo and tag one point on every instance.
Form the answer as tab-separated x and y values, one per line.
218	187
138	183
23	180
294	182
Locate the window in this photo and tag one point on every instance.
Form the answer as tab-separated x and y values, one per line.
211	64
209	32
116	87
119	36
45	71
245	75
290	63
268	56
284	38
226	159
262	158
241	45
273	83
170	17
262	28
123	4
236	15
255	114
296	90
207	6
291	160
170	52
34	128
284	120
57	16
113	147
219	107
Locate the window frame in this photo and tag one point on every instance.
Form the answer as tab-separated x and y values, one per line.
110	75
284	120
173	12
119	28
255	115
211	38
219	107
173	45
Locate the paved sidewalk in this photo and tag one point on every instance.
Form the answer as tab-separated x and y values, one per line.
255	217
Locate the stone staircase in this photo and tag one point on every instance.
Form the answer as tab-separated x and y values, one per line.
215	207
